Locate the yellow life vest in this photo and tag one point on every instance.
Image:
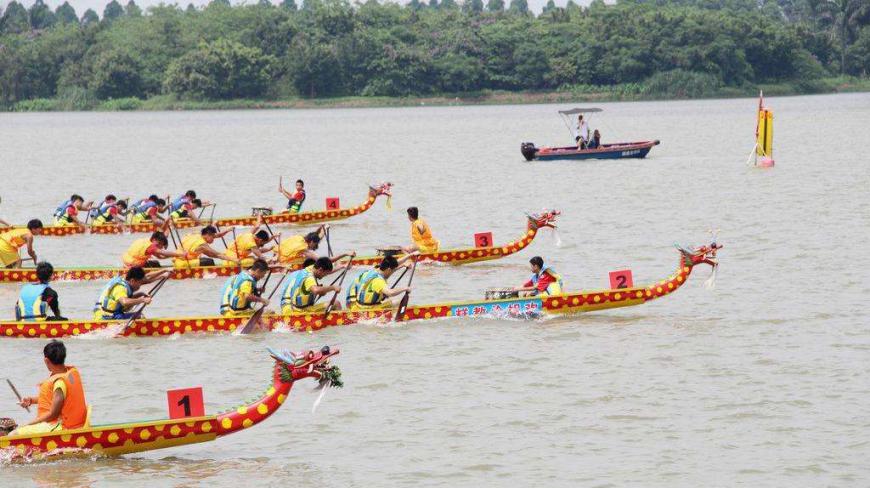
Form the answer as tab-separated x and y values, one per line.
423	239
15	238
137	253
292	249
242	246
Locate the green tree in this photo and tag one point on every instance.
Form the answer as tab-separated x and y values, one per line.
113	11
549	7
433	4
845	15
519	7
41	17
117	74
472	6
132	10
289	5
449	5
222	69
15	19
495	5
191	9
66	14
89	17
315	68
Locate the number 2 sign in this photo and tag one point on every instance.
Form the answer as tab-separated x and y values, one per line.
332	203
185	402
621	279
483	239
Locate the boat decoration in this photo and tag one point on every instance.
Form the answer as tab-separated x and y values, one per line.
311	217
762	154
618	150
132	437
451	256
520	307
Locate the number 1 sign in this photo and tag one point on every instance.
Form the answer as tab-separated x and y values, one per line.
185	402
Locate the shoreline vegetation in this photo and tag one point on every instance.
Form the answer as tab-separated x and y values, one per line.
379	53
583	94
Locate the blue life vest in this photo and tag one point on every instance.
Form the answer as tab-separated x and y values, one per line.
358	291
60	211
30	306
230	298
294	294
178	203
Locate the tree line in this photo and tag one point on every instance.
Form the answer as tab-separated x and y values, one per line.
327	48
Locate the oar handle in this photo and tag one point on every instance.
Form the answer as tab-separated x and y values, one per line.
403	305
340	281
15	390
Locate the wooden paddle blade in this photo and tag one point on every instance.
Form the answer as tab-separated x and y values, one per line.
252	321
403	305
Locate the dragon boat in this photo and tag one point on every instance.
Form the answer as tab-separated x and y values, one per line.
305	218
520	307
132	437
451	256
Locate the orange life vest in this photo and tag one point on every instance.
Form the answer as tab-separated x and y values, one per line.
137	253
75	410
423	239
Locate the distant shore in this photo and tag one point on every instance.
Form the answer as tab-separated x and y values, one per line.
615	93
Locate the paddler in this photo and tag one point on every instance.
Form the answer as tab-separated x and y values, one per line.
13	240
145	252
544	281
121	294
240	291
421	234
66	214
294	200
303	289
142	205
179	202
250	245
36	299
197	244
185	211
298	248
111	214
61	402
149	213
370	289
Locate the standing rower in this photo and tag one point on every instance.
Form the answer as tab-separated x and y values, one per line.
145	252
370	288
196	244
61	402
421	234
36	299
13	240
121	294
303	289
240	291
294	200
544	281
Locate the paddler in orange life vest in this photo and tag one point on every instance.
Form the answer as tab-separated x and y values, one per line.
66	214
421	234
296	249
13	240
197	244
544	280
36	299
294	200
61	402
250	246
145	252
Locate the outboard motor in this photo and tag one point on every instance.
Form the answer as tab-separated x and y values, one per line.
529	150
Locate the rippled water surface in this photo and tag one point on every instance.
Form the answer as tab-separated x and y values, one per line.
762	381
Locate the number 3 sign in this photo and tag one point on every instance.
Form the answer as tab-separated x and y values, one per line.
483	239
185	402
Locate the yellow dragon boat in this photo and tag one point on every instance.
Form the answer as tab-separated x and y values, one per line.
450	256
302	218
132	437
520	307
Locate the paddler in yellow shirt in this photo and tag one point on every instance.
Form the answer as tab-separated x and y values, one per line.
196	244
145	252
249	246
298	248
13	240
240	291
303	289
370	289
421	234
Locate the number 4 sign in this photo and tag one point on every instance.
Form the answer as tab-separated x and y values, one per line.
332	203
185	402
483	239
621	279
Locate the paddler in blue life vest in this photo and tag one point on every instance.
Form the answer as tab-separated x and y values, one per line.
294	200
185	211
121	294
370	289
544	281
66	214
240	291
148	211
303	289
109	212
36	299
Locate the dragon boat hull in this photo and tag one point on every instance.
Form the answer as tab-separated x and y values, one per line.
448	256
527	307
622	150
127	438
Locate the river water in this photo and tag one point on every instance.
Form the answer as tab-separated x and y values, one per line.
762	381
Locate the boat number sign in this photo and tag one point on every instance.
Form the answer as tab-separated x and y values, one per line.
621	279
185	402
530	307
483	239
332	203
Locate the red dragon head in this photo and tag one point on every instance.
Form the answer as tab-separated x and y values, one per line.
311	364
544	219
382	189
704	254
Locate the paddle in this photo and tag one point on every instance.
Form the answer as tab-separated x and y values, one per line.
255	317
236	247
340	280
328	244
15	390
172	234
403	305
138	313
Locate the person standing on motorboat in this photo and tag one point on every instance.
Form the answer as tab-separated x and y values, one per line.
581	137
